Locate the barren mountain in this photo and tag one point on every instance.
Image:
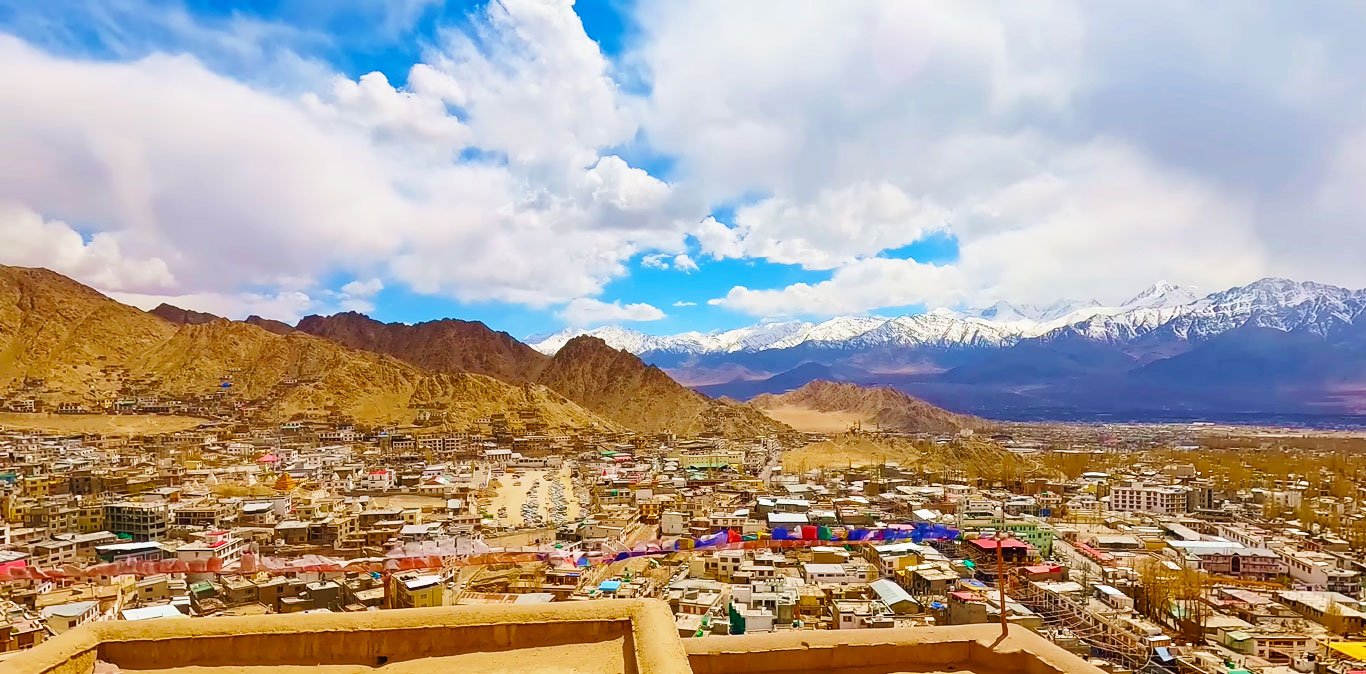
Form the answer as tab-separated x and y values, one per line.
269	324
175	314
446	345
617	385
842	403
60	341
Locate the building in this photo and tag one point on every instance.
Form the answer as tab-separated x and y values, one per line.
1146	498
63	617
1242	563
139	521
417	590
1319	572
220	545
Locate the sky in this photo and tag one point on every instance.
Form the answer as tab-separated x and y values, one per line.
674	166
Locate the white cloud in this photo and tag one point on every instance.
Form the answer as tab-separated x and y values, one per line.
1070	149
288	306
27	239
684	263
655	261
1058	152
587	312
359	295
682	303
1087	221
234	186
837	227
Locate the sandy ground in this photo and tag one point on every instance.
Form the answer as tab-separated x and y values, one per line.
812	421
845	451
511	495
110	424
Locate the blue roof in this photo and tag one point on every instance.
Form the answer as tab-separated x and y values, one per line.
610	585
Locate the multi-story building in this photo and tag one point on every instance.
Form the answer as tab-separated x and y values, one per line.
1244	563
1148	498
137	520
1319	572
219	544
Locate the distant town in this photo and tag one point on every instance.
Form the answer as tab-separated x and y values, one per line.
1190	547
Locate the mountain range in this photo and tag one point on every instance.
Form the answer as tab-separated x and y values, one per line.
1271	347
61	341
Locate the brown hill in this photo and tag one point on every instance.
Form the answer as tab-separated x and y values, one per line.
446	345
60	340
269	324
175	314
619	386
825	405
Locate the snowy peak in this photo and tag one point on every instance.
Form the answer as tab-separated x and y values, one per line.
615	336
1162	295
1165	308
1005	312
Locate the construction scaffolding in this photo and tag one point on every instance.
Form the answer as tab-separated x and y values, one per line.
1106	638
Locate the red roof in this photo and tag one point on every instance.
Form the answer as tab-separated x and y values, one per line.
1043	568
990	544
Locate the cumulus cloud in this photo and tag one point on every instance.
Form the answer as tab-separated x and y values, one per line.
1062	147
684	263
683	303
181	164
587	312
359	295
1070	149
288	306
30	240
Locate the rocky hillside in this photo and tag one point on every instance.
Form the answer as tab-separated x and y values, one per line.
61	341
175	314
617	385
446	345
876	406
269	324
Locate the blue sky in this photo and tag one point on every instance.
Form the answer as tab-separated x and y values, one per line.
675	166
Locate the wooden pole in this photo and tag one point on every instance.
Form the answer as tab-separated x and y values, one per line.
1001	581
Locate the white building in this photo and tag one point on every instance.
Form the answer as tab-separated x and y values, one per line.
377	480
831	574
1319	572
1146	498
215	544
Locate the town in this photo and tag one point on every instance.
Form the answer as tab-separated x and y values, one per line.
1189	548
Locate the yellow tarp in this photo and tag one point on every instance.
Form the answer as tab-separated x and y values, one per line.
1355	650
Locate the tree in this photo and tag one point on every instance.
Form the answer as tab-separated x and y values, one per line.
1335	619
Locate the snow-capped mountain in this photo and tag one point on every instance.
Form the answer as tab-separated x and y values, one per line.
1269	303
615	336
1164	310
941	327
1162	295
1005	312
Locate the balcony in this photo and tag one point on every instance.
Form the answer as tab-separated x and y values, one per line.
598	637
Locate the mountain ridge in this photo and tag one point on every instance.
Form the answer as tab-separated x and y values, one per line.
61	341
882	406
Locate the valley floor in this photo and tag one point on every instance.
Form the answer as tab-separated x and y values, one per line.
814	421
109	424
